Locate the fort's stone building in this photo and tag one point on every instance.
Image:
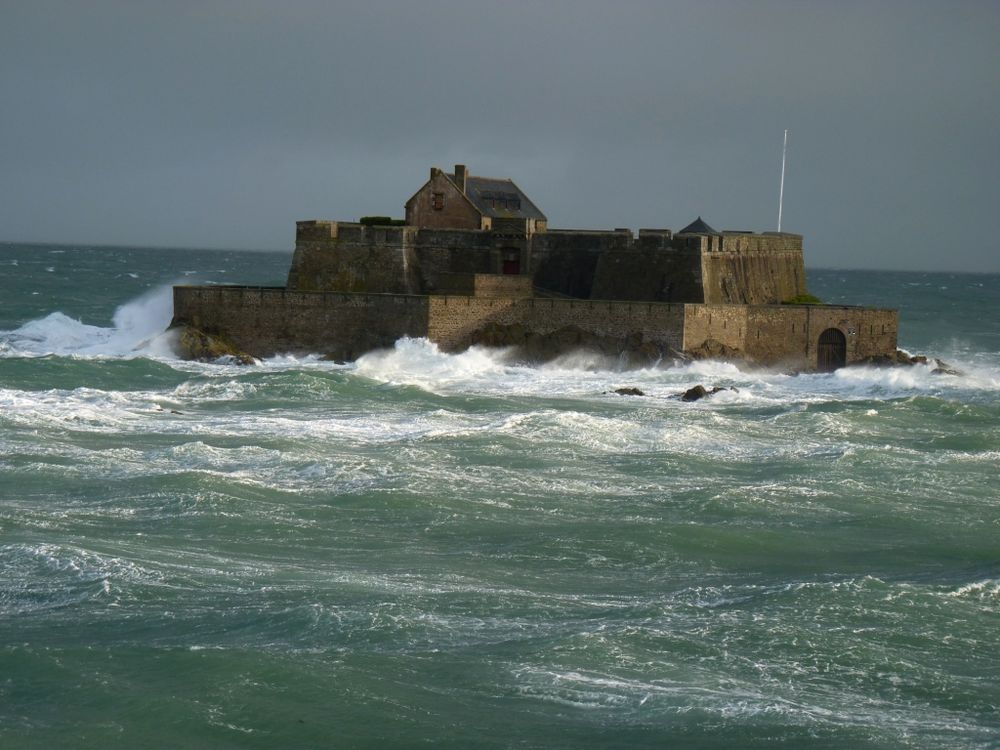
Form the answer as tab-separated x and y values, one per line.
475	262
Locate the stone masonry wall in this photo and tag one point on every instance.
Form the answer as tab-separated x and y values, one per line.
453	210
788	335
565	261
557	325
649	274
753	277
269	321
348	257
655	267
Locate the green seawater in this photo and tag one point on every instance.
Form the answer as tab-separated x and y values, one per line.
422	549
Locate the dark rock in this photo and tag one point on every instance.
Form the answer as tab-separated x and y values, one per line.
890	360
197	345
695	393
943	368
629	392
635	351
713	349
699	391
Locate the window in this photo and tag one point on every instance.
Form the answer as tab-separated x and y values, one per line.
437	201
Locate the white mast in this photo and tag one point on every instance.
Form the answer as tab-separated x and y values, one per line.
781	190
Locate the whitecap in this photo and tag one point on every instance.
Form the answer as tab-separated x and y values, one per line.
138	328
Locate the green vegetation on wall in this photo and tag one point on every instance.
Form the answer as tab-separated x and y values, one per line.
381	221
803	299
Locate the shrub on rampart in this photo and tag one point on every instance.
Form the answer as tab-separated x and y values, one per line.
803	299
381	221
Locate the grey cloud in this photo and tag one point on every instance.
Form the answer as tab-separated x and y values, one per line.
220	123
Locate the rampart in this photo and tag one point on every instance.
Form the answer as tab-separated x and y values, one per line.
268	321
656	266
265	321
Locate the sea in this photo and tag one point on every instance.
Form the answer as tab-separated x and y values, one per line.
422	549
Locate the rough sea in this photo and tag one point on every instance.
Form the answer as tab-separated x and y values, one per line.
422	549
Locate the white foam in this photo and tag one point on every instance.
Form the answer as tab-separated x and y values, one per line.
137	330
420	362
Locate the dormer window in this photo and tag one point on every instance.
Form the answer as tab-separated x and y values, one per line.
437	201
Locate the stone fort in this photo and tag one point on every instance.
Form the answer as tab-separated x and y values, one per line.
475	262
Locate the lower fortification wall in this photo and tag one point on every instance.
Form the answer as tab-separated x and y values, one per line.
268	321
788	335
547	327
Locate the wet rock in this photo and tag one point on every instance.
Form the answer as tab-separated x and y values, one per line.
943	368
898	358
699	391
904	359
629	392
197	345
636	351
713	349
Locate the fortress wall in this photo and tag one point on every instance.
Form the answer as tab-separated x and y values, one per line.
556	325
788	335
649	274
486	285
565	261
753	277
440	252
869	332
768	242
726	324
347	257
268	321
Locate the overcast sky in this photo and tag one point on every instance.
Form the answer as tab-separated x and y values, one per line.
219	123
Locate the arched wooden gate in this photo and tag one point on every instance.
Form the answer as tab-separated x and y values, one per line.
832	350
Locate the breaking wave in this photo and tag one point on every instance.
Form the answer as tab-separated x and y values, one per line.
139	328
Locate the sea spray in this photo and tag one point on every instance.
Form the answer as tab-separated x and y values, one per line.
136	330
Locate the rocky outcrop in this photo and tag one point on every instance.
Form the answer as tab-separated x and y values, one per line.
629	391
699	392
713	349
195	344
905	359
635	349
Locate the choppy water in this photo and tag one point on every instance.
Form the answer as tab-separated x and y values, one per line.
457	550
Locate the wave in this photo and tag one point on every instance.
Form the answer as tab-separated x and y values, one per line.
139	329
496	372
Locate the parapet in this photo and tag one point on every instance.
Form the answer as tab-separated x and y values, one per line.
319	230
743	242
316	230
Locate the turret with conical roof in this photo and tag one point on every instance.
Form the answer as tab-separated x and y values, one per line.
698	226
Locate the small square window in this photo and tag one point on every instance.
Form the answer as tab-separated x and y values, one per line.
437	201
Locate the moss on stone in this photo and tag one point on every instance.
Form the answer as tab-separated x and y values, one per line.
803	299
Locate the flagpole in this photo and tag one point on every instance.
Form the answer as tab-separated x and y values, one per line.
781	190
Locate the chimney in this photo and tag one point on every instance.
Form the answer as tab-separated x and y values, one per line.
435	172
460	176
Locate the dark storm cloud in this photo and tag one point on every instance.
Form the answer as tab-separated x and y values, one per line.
220	123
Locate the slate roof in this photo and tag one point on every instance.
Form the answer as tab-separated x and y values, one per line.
499	198
698	226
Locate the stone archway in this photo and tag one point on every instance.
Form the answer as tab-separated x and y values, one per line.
832	350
